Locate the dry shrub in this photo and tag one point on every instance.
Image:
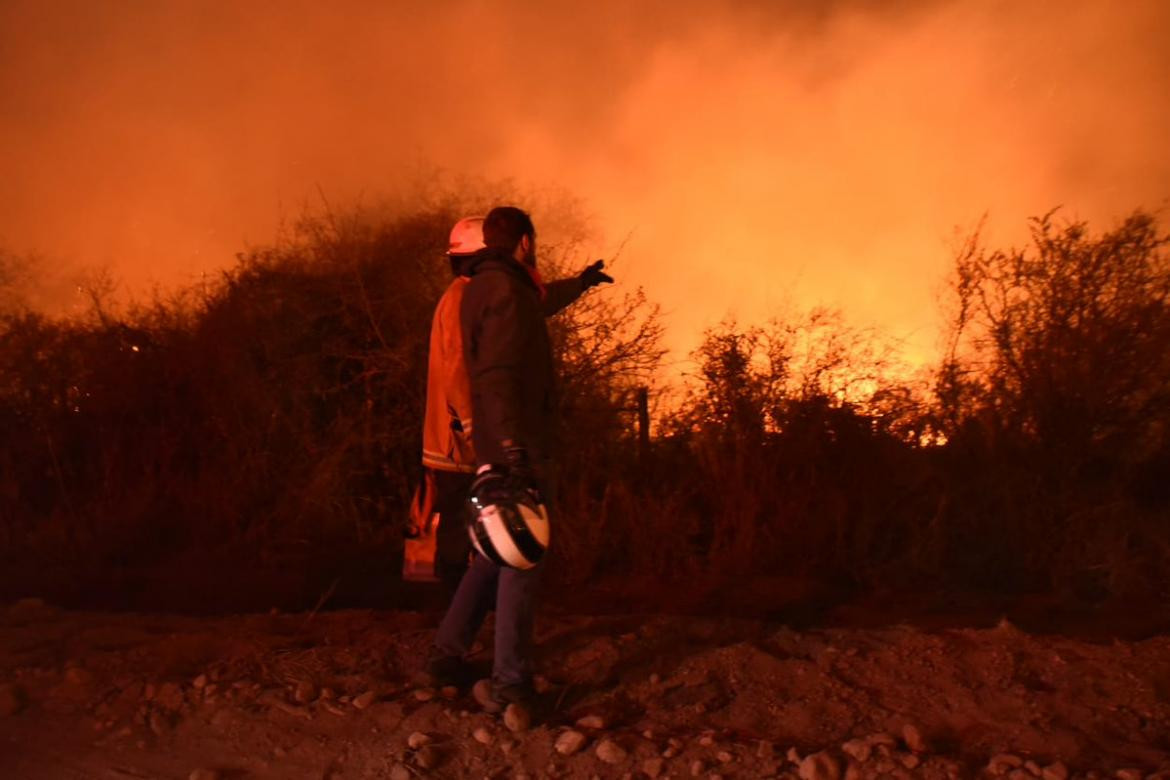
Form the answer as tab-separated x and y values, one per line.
1055	401
263	421
266	427
260	434
1037	462
801	461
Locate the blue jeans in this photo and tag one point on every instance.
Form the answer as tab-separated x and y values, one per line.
515	598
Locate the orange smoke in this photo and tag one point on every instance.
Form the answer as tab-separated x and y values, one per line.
758	154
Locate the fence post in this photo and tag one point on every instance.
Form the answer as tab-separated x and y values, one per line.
643	426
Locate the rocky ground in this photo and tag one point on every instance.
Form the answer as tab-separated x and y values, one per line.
331	695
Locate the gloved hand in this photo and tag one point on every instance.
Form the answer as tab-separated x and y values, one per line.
593	275
520	472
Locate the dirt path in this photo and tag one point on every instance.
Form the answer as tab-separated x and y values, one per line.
92	695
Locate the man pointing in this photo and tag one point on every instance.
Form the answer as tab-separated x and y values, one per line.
509	362
448	452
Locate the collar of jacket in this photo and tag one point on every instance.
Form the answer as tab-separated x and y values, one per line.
461	264
495	259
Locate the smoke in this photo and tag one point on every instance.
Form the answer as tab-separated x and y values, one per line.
756	154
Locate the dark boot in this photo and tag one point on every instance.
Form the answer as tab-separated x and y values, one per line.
449	670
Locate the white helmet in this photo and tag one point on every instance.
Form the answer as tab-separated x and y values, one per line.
508	528
466	237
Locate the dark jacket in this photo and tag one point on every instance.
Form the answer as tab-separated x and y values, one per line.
509	358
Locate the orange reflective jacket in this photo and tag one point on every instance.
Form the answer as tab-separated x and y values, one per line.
447	425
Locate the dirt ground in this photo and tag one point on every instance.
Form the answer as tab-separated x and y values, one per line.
334	695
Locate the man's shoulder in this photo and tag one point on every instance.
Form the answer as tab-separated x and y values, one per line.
493	281
454	290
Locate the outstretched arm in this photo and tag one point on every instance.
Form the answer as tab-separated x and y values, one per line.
563	292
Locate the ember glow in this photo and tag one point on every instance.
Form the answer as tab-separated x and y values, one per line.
757	155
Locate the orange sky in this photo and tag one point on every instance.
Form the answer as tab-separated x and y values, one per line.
760	153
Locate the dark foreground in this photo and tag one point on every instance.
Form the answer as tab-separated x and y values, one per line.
331	695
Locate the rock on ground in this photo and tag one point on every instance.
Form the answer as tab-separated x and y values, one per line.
569	742
610	752
305	692
595	722
517	718
652	767
857	749
1055	771
820	766
913	738
1003	763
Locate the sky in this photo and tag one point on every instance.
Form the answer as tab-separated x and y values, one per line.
752	156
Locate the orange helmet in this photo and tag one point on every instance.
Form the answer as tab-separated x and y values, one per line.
466	237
